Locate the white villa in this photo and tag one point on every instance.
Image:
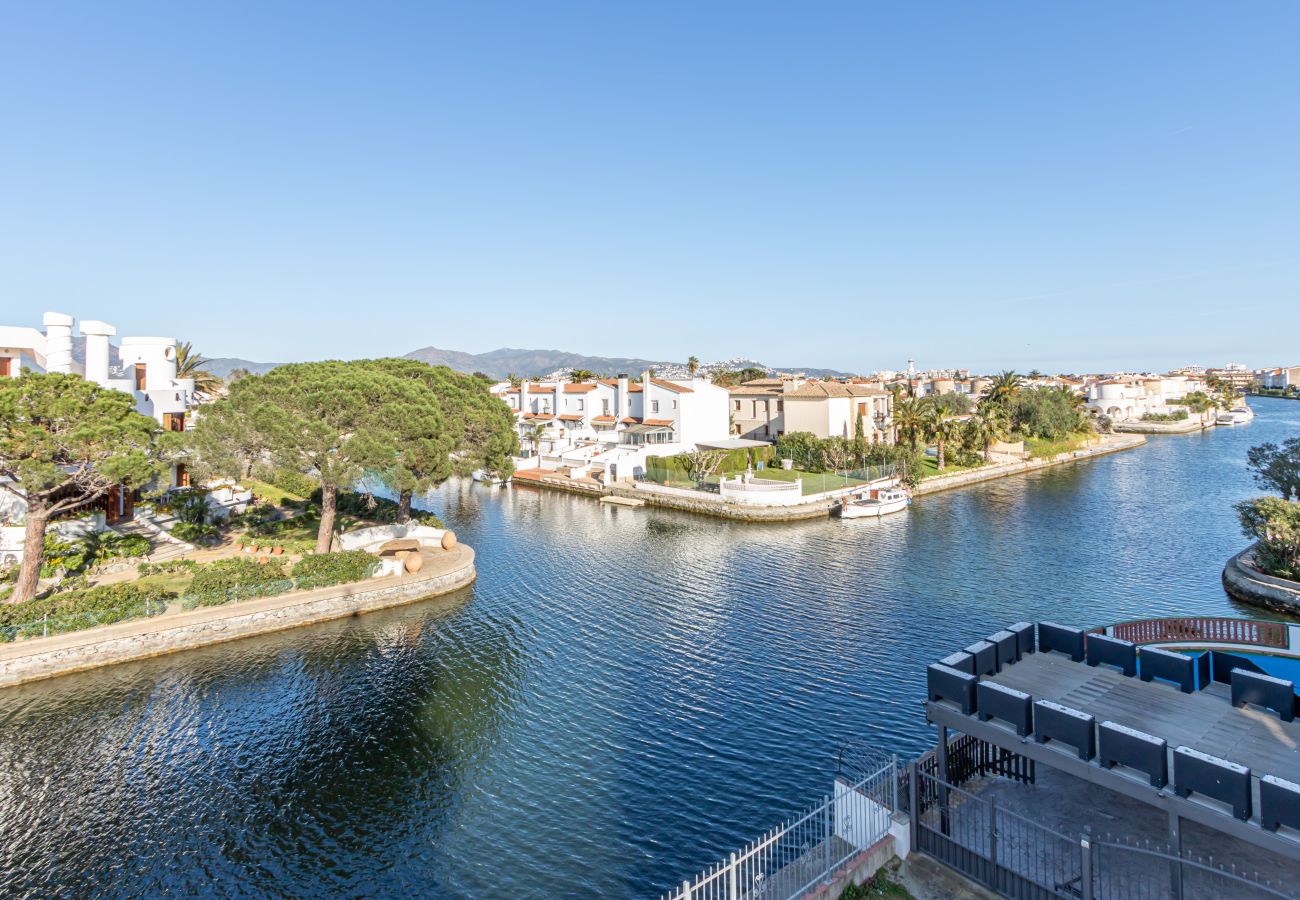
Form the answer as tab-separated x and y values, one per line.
146	366
610	426
146	369
1127	398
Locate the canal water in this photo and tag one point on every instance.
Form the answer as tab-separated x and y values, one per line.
623	697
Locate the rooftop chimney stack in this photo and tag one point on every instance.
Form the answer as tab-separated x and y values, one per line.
58	342
621	409
97	335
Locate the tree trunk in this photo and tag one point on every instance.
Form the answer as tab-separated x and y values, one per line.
328	498
941	456
29	574
404	506
988	451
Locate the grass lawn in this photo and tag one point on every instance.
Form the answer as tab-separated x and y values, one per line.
930	467
177	582
270	492
813	482
1042	448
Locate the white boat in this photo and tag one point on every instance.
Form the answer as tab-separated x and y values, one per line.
878	503
487	477
1239	415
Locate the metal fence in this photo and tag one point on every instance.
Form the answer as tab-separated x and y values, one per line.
1020	858
63	622
806	850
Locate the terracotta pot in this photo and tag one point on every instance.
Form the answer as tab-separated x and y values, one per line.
413	562
276	551
449	540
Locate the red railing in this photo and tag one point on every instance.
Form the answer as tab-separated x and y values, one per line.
1199	628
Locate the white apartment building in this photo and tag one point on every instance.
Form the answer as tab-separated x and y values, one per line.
614	423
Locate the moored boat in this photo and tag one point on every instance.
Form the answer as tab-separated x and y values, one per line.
877	503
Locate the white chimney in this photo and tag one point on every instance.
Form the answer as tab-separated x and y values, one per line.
58	342
645	394
559	393
97	335
523	396
621	409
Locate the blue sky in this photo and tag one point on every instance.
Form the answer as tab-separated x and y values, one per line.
1061	186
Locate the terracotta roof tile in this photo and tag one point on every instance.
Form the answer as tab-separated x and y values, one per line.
662	422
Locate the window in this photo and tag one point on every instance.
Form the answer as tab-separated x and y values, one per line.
737	402
5	363
173	421
654	406
139	376
604	407
580	405
780	406
674	404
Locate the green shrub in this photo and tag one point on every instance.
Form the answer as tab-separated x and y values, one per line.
167	567
334	568
192	531
112	545
75	610
1178	415
292	481
237	578
191	508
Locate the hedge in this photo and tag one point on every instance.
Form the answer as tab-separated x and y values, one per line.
333	568
74	610
236	578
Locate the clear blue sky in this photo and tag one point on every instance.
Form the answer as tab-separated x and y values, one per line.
1067	186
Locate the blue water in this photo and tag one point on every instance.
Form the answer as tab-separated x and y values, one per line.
623	697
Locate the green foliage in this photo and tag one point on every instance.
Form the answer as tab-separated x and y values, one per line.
326	569
191	507
372	508
1178	415
1047	412
167	567
63	555
1277	468
1275	524
738	376
75	556
236	578
804	447
74	610
953	404
454	427
64	440
191	531
291	481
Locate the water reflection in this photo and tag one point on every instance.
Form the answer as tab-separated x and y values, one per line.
624	695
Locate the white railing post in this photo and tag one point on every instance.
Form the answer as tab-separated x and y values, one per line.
686	890
731	879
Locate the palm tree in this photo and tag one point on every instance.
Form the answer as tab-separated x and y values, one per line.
1004	386
534	436
578	376
986	427
693	365
946	430
514	380
191	365
910	417
1034	375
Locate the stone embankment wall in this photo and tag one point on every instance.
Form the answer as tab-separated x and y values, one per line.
31	660
1245	583
1185	427
1113	444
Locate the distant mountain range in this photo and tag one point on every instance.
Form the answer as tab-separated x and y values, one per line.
507	361
222	366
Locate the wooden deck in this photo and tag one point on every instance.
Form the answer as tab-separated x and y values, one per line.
1204	720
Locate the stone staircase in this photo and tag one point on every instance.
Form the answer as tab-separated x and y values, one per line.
162	546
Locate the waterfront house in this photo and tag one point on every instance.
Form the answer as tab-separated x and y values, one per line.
757	409
831	409
611	425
